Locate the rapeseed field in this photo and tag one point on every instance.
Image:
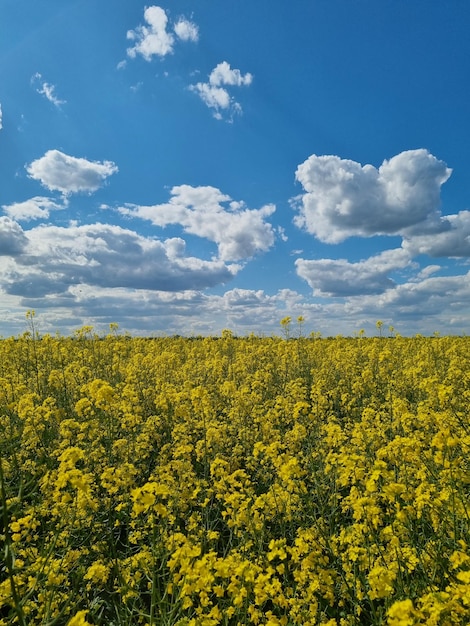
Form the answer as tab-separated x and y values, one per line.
233	481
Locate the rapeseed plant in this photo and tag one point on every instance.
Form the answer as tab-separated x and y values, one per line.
231	480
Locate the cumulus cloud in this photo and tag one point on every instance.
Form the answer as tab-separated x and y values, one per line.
423	305
437	298
49	259
238	232
339	277
188	312
32	209
46	89
12	237
214	93
154	38
343	198
60	172
186	30
223	74
453	239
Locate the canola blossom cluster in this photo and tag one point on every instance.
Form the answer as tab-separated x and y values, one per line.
234	481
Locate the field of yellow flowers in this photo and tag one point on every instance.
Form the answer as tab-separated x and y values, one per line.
206	481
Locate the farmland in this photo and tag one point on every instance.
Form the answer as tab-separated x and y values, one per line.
255	480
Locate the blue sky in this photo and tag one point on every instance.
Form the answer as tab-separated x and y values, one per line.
186	167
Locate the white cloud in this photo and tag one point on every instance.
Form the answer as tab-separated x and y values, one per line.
214	94
154	38
222	74
186	30
453	239
216	98
420	306
49	259
12	238
46	89
239	232
188	312
60	172
427	271
33	209
1	117
339	277
344	199
435	298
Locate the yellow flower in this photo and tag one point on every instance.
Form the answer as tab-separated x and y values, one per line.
464	577
79	619
381	580
401	613
97	573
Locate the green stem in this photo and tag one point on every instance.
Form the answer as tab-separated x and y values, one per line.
8	550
